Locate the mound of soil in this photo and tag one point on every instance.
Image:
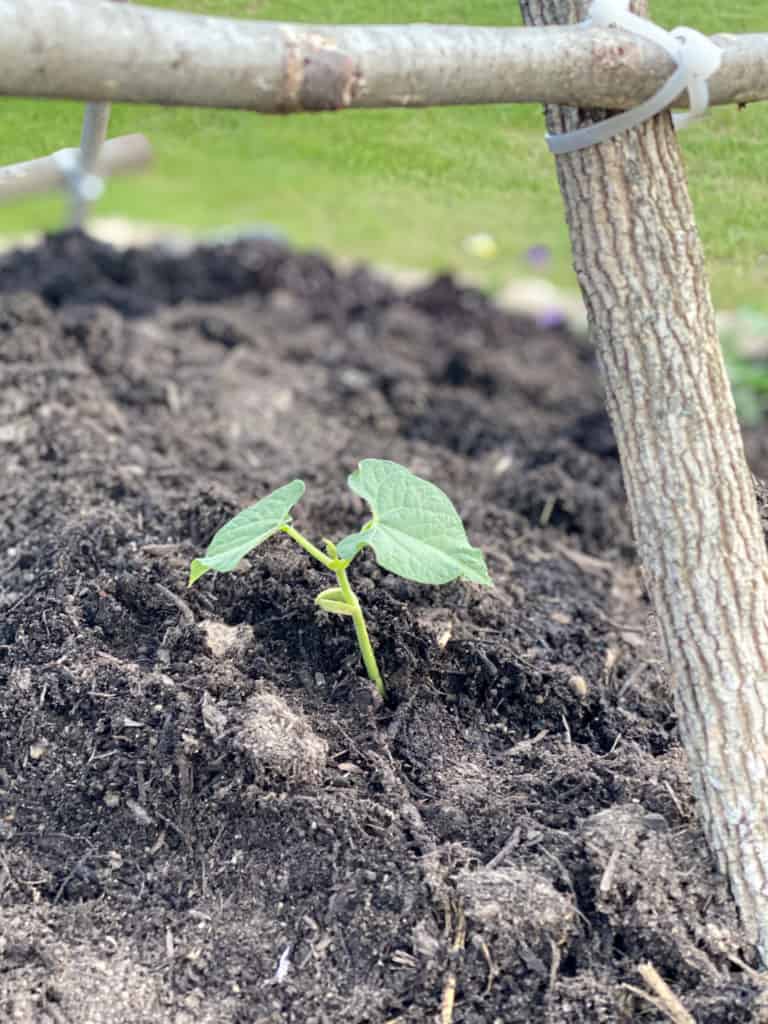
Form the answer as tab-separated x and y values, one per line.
207	816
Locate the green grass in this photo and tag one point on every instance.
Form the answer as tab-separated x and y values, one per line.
406	187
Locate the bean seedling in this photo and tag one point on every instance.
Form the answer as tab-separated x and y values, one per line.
414	531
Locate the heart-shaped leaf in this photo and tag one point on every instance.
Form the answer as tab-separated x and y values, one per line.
247	530
415	531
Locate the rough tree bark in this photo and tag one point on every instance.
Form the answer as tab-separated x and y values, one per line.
640	265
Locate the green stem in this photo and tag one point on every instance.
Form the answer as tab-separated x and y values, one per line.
309	547
338	566
363	640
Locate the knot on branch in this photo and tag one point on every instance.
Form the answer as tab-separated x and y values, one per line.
317	74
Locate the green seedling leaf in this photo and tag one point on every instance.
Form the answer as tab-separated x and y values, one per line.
247	530
415	532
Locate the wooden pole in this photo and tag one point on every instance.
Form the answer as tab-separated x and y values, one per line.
149	55
640	265
117	156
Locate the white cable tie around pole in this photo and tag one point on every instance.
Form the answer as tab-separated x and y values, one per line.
696	56
85	187
66	160
702	59
91	187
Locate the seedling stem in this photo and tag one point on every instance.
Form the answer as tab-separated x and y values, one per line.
341	600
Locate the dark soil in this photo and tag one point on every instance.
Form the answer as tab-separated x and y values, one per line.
206	814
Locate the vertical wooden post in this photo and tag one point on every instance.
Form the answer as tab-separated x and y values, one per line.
640	266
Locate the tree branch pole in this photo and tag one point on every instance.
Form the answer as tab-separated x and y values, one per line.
126	53
117	156
640	265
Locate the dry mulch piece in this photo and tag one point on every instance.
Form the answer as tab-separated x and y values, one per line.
207	814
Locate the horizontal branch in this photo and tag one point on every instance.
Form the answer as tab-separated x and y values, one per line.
103	51
117	156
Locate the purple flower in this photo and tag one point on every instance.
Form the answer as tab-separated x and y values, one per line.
538	256
550	317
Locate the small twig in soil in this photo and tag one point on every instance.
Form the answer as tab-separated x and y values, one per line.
757	976
492	971
665	999
567	730
160	549
179	832
554	967
449	988
606	882
675	800
511	843
186	612
547	510
587	563
615	745
518	748
622	627
6	878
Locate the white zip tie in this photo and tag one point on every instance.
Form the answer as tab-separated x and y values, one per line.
696	56
702	58
86	187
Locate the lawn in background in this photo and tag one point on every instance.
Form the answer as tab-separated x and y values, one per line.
406	187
